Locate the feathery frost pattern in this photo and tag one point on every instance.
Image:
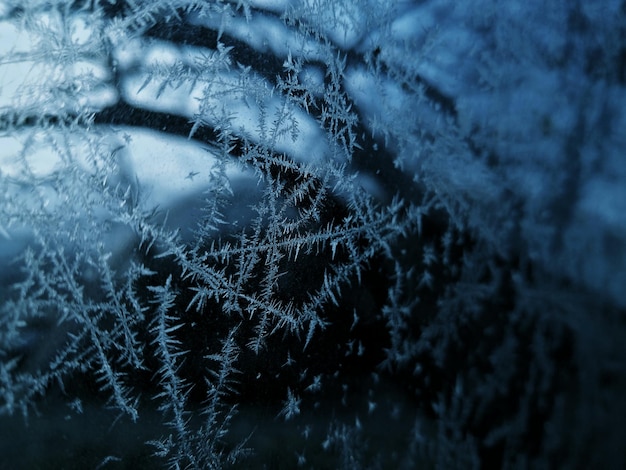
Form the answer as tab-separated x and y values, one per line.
224	220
